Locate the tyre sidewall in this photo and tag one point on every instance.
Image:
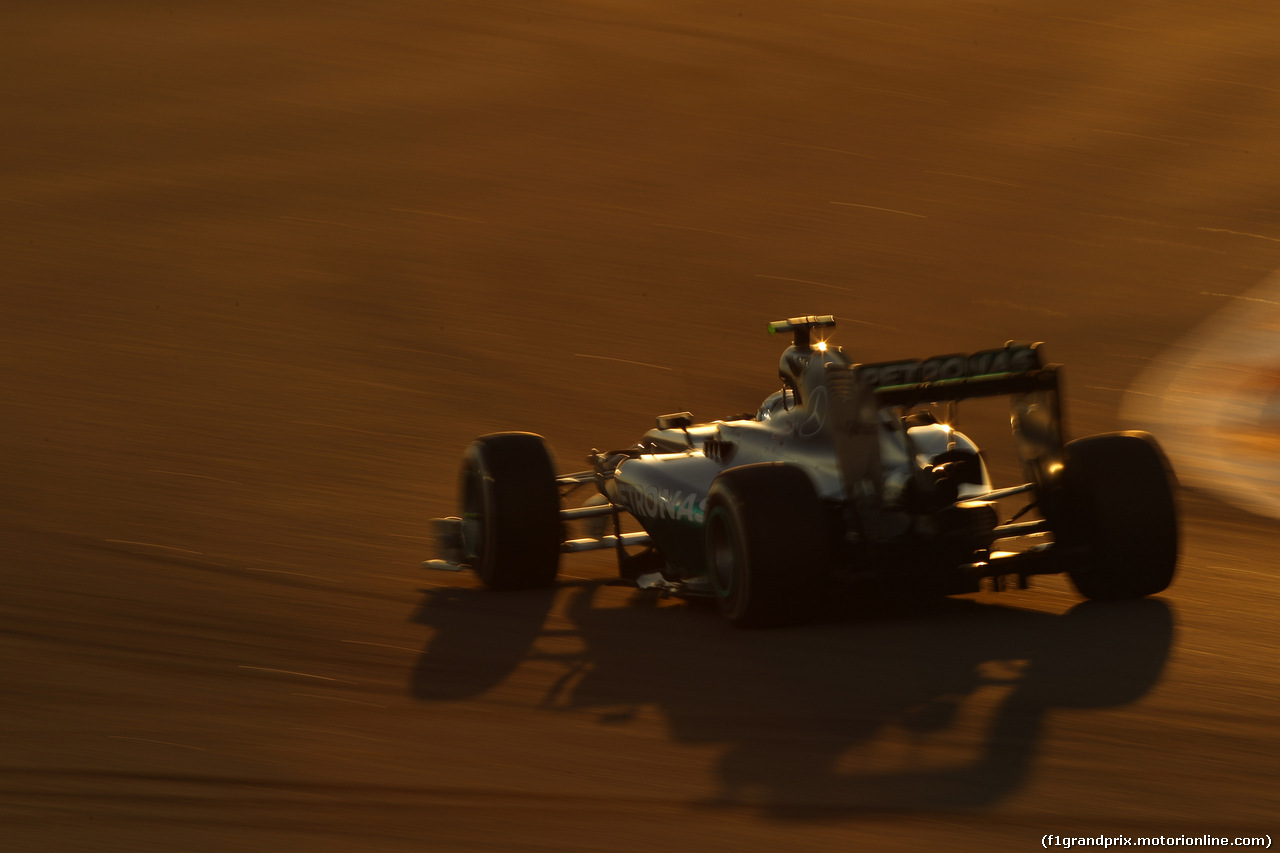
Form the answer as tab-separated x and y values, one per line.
520	534
1119	516
724	529
771	520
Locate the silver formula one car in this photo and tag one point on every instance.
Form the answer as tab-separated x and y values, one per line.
845	476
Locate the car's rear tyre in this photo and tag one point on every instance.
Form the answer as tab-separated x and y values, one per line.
511	531
1119	519
768	544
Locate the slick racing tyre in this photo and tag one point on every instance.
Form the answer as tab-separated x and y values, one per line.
768	544
511	530
1119	519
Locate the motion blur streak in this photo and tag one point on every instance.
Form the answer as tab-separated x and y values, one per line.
268	268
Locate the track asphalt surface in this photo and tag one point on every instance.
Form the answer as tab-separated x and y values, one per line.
268	267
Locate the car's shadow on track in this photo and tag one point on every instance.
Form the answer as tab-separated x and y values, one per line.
937	709
478	638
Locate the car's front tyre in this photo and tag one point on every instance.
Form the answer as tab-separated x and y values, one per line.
511	531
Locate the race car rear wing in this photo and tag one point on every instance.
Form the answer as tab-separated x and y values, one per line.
949	390
1013	369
